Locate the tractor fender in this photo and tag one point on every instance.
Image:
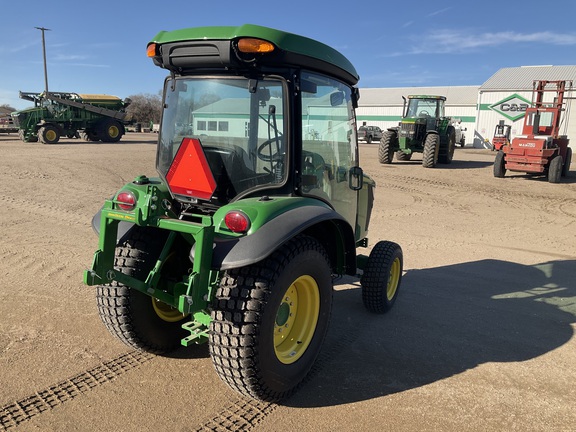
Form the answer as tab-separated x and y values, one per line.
393	129
123	226
329	227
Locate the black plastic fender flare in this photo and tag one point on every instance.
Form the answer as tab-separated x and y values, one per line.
123	226
243	251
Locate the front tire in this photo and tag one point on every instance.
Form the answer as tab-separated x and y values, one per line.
270	320
89	135
382	276
431	148
555	169
111	131
388	143
136	319
499	165
401	156
567	162
49	134
446	153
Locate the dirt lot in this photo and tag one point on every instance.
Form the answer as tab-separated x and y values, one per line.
481	338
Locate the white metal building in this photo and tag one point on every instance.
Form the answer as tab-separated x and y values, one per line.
502	97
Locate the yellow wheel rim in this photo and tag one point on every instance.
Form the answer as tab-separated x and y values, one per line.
166	312
393	279
50	135
296	319
113	131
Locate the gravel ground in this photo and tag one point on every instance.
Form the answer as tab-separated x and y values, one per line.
480	339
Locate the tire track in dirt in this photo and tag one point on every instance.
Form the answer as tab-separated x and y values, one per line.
557	204
239	414
20	411
244	414
43	211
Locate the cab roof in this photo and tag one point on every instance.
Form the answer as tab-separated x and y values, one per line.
298	50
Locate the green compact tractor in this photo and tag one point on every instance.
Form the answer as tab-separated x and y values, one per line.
424	129
237	240
94	117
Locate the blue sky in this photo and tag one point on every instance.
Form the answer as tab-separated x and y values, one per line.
100	46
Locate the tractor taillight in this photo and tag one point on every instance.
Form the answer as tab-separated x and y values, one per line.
152	50
253	45
126	201
237	221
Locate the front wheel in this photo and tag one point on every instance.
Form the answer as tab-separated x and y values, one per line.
431	148
111	131
89	135
49	134
388	143
555	169
499	165
448	144
270	319
401	156
382	276
567	162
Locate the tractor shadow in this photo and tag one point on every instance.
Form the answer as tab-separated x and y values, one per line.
446	321
454	165
569	179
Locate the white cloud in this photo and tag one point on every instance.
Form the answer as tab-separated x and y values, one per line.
440	11
458	41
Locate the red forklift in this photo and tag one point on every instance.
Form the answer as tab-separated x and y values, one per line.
540	149
501	136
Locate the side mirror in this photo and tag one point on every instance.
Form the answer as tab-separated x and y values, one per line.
336	98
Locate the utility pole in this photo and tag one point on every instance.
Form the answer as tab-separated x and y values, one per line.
42	29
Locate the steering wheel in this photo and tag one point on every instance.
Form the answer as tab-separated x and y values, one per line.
274	157
424	113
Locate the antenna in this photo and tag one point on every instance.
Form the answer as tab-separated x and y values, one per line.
42	29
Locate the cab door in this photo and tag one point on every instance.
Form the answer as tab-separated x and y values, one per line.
329	147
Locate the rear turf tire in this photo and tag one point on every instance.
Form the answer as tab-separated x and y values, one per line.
270	319
133	317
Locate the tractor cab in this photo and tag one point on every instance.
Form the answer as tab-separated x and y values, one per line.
425	106
281	129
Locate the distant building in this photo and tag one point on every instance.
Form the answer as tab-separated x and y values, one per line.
502	97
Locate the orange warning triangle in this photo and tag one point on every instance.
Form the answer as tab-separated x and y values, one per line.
190	173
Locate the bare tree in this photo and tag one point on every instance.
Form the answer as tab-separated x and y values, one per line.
7	108
145	108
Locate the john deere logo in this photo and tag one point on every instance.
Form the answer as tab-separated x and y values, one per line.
513	107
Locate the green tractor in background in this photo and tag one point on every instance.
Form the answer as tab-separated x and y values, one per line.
237	240
424	129
94	117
